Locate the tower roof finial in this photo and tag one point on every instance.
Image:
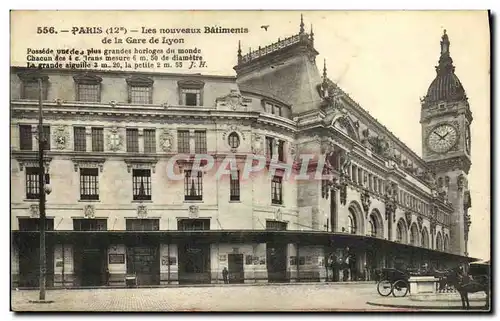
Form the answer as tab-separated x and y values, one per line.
445	61
301	24
239	51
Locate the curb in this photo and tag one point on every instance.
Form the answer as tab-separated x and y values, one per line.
199	285
426	307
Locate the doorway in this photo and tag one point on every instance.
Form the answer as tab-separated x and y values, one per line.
93	266
194	263
235	264
276	263
144	263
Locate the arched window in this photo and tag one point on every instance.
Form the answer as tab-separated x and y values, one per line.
233	140
414	235
425	238
439	242
373	226
446	243
351	223
401	232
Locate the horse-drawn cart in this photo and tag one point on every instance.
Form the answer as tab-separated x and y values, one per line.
393	281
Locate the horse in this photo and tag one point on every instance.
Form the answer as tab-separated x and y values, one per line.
465	284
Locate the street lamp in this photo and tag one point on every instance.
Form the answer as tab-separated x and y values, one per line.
44	189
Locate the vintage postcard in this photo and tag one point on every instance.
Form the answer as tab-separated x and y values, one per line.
250	161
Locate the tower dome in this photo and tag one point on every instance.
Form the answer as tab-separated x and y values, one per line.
446	86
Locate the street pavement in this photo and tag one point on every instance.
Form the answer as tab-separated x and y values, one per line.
286	297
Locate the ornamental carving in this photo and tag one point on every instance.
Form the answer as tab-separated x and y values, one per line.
257	144
420	222
460	182
61	137
467	201
343	189
390	209
34	211
293	151
278	216
433	226
88	163
232	129
234	100
141	164
408	219
32	162
365	201
89	211
115	140
193	211
142	211
391	189
345	164
166	140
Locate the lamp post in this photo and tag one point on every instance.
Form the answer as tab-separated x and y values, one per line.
43	189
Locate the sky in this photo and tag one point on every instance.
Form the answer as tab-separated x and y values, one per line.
383	59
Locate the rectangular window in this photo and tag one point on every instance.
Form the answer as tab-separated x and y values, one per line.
97	140
354	173
25	137
193	186
193	224
31	90
141	95
141	184
90	224
281	151
269	108
32	182
33	224
269	147
150	141
200	142
89	184
234	186
88	92
132	140
80	139
46	137
277	190
277	110
183	142
191	97
360	176
142	224
370	184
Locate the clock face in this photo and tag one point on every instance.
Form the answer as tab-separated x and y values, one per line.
442	138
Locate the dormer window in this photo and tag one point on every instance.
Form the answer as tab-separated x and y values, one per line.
273	108
30	88
140	90
190	92
88	88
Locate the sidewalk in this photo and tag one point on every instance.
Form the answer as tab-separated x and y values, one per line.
436	302
202	285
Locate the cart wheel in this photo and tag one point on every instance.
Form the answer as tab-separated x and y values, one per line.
384	287
400	288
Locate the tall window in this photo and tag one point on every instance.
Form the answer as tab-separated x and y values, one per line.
142	224
46	137
193	186
354	173
132	140
401	232
97	140
141	184
89	184
191	97
31	90
25	137
269	147
32	186
80	139
141	95
360	176
90	224
149	141
183	141
373	226
234	186
191	92
89	92
200	142
351	222
281	151
277	190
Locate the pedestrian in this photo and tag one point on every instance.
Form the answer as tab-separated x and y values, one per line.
225	273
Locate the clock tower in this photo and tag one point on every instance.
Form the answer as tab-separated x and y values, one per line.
446	119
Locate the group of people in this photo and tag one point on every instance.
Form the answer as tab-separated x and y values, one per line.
345	263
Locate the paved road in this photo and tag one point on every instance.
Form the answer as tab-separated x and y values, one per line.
297	297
